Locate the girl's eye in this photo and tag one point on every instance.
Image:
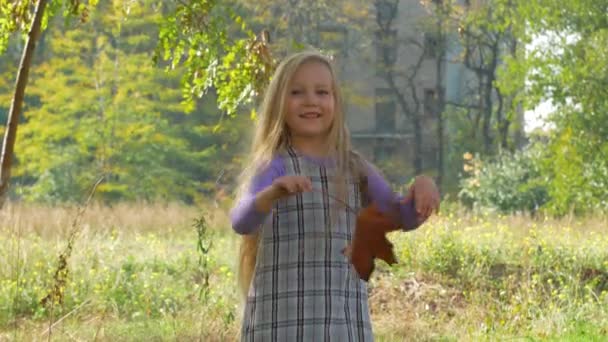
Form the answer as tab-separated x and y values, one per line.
296	92
322	92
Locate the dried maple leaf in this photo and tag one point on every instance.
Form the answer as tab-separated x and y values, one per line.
370	242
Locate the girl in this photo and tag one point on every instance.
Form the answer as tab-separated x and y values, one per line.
297	212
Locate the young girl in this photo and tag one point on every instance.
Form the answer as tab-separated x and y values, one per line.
297	211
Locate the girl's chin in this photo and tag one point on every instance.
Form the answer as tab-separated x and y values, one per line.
311	133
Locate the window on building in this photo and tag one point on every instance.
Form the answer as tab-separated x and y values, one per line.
430	156
386	51
386	11
429	102
383	152
334	37
431	45
385	108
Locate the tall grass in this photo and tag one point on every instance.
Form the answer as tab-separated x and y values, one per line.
138	271
492	277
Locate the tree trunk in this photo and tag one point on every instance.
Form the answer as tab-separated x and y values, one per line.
411	113
439	107
490	75
10	134
417	145
510	107
487	115
502	122
440	92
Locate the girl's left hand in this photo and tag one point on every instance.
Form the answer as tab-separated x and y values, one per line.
426	196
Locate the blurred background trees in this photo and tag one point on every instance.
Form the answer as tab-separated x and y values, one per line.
159	97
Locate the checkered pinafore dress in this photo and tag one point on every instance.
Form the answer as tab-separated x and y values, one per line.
303	287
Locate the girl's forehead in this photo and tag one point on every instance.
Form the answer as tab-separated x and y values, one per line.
312	72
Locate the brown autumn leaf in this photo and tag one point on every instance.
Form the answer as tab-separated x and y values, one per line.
370	242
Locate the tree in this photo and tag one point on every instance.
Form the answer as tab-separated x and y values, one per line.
113	78
309	23
232	68
488	35
16	16
567	66
113	113
564	63
13	117
440	28
408	95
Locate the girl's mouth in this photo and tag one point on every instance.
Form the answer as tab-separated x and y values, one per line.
310	115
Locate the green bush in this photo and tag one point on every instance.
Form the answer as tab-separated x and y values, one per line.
510	182
578	172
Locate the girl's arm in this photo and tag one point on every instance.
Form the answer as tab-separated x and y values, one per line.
389	202
253	208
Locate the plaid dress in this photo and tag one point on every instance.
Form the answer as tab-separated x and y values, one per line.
304	288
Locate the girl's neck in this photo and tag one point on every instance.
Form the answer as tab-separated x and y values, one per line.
316	148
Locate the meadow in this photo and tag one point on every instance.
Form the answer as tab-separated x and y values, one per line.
166	272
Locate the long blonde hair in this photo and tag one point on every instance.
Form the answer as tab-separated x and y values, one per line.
272	135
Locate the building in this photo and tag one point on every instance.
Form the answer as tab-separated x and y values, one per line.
399	35
426	72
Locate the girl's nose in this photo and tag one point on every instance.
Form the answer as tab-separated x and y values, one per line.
311	98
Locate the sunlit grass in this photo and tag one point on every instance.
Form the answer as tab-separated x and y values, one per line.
135	272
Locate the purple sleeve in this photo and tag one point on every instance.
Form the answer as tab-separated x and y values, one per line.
244	216
388	201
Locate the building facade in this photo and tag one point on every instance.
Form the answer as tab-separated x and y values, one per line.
400	43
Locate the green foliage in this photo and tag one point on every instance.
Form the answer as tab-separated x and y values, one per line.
218	52
564	63
98	106
578	173
510	182
16	16
231	47
135	288
102	118
312	23
463	138
8	65
489	37
139	276
552	175
567	66
203	246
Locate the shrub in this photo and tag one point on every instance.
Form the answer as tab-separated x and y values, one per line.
510	182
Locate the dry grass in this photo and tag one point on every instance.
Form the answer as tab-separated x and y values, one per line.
135	272
417	307
52	222
46	222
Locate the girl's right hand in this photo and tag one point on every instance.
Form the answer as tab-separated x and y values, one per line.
281	187
289	185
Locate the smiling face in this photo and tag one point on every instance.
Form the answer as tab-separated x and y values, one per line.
310	102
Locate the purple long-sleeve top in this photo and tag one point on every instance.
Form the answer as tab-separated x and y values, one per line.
246	218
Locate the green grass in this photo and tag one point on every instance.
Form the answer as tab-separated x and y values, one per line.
135	273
